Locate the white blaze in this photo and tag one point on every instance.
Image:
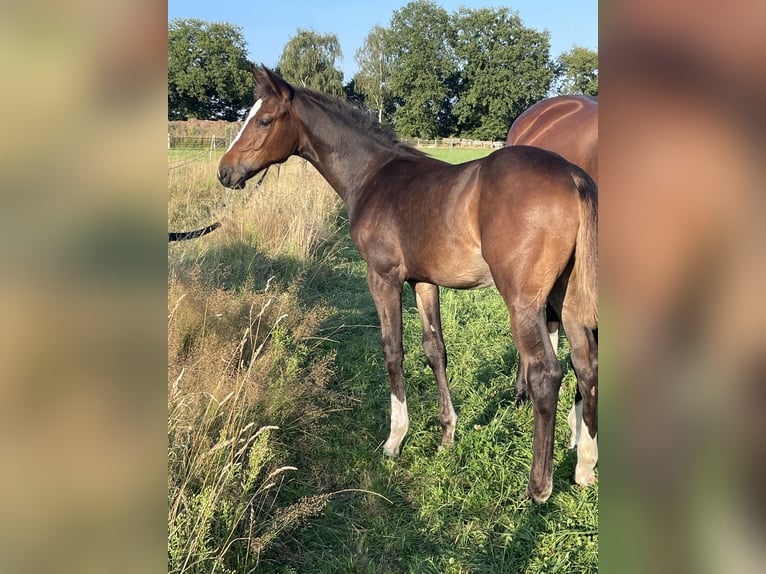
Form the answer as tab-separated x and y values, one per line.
253	111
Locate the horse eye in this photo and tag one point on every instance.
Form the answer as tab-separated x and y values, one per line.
264	122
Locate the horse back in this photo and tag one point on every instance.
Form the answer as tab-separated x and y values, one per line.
418	218
567	125
528	178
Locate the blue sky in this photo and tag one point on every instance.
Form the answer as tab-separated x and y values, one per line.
268	26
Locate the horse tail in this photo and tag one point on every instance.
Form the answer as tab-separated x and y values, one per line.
585	271
185	235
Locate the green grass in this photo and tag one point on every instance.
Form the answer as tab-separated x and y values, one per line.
319	376
458	155
456	510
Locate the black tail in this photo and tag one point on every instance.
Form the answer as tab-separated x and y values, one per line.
184	235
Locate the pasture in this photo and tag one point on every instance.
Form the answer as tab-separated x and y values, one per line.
278	405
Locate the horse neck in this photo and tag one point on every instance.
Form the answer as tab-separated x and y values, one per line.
339	148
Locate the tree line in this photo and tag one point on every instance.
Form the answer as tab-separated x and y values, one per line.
429	73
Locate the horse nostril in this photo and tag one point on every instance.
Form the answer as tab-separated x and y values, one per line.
223	175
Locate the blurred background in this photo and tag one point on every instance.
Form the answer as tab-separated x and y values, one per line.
82	214
681	240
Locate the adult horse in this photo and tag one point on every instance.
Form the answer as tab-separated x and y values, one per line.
522	218
567	125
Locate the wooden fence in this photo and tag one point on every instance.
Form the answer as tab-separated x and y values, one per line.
213	142
454	143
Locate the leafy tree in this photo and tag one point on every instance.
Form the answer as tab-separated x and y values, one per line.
504	68
208	72
308	60
372	79
578	72
354	96
423	69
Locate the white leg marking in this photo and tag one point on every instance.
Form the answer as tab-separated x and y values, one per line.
400	424
253	111
587	457
574	418
554	337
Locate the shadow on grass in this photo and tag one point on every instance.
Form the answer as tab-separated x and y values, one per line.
234	264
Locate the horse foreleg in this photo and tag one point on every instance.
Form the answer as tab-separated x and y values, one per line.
427	297
387	295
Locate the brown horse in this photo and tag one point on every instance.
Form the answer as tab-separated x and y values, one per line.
522	219
567	125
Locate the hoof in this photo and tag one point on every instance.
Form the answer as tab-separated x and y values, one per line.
391	451
446	445
539	498
585	478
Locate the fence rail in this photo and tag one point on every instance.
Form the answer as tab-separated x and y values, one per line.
454	143
214	142
197	142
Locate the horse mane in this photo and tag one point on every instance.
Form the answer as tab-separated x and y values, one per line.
382	134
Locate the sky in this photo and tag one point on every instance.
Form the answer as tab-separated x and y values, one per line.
268	26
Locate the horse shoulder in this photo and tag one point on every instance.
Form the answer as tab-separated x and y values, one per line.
373	232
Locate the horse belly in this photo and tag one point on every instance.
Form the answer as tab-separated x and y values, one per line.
453	268
475	278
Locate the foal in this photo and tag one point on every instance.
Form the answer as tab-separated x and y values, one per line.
522	219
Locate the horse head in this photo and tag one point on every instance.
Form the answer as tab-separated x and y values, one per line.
269	134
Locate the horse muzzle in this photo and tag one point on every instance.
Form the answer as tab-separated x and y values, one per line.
229	178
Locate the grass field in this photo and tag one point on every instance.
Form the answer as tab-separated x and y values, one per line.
270	324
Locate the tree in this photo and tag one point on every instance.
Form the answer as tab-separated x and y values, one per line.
208	72
422	68
505	67
308	60
372	79
578	72
354	96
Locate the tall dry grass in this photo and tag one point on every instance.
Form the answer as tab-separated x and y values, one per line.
238	364
243	367
289	213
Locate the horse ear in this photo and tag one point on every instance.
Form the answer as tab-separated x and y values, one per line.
268	82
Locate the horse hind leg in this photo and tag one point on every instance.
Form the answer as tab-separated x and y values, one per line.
427	297
583	418
520	385
543	375
554	309
574	420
